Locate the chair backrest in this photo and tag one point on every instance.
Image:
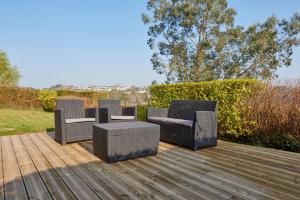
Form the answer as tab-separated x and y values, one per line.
185	109
114	105
72	108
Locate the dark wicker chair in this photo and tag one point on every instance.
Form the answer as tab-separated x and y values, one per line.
187	123
73	123
110	110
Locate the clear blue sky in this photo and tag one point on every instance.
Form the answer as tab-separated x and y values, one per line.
99	42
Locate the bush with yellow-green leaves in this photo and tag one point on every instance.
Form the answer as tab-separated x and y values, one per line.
47	99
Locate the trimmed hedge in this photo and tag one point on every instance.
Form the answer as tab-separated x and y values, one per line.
19	98
230	95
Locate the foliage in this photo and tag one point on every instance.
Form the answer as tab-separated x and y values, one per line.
9	75
142	112
197	40
19	98
47	99
276	110
230	95
24	121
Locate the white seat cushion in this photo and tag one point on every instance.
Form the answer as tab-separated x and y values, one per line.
115	117
171	120
76	120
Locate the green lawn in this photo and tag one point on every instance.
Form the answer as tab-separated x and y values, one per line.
24	121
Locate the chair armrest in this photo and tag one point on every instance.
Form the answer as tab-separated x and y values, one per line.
205	124
92	113
59	117
157	112
129	111
60	134
104	115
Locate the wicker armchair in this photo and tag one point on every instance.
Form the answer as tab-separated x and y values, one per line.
110	110
187	123
73	123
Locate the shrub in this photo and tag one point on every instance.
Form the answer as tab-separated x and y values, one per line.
141	112
276	111
19	98
230	95
47	99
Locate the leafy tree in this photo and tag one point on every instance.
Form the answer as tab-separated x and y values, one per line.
9	75
197	40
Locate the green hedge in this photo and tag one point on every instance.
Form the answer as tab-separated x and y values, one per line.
230	95
19	98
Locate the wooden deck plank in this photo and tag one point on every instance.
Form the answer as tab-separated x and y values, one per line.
253	182
182	186
113	175
35	164
145	180
162	186
238	161
122	173
54	183
260	161
89	176
34	184
174	172
234	170
76	185
210	177
278	180
110	173
153	179
280	153
13	183
266	163
291	165
263	171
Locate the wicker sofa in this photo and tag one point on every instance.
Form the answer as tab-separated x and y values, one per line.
187	123
73	123
110	110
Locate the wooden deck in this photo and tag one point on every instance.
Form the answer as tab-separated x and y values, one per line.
34	166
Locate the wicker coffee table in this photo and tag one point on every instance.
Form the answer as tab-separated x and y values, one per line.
125	140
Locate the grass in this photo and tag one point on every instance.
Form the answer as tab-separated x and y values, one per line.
24	121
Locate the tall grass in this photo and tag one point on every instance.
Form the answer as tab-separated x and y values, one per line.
275	112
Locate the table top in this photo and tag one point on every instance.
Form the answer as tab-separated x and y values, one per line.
125	125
